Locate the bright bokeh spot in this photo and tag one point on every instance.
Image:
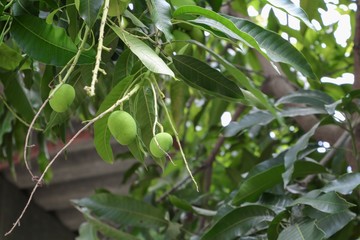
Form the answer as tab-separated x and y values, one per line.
225	119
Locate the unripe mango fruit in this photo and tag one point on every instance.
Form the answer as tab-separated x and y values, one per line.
165	142
62	98
122	126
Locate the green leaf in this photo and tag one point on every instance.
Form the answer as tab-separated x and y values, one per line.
144	113
275	225
302	111
146	55
329	202
104	228
101	132
257	97
46	43
344	184
330	223
303	231
199	75
239	222
180	203
9	58
312	98
268	174
274	46
6	126
215	4
124	210
289	7
255	185
87	232
160	13
16	97
277	48
218	22
89	10
257	118
124	66
292	153
117	7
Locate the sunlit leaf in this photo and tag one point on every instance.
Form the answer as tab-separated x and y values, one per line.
160	12
146	54
289	7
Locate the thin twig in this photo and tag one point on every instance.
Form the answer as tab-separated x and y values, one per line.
91	90
110	109
210	160
70	70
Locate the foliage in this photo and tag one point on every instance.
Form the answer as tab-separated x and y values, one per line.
182	66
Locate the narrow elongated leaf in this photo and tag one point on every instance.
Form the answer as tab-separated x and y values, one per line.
160	13
254	186
257	118
275	225
239	222
257	98
329	202
219	22
277	48
292	153
101	132
302	231
105	228
146	55
89	10
289	7
330	223
199	75
293	112
344	184
46	43
274	46
268	174
124	210
309	97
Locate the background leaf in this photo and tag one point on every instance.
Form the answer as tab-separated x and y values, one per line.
89	10
345	184
201	76
329	202
124	210
307	230
46	43
239	222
